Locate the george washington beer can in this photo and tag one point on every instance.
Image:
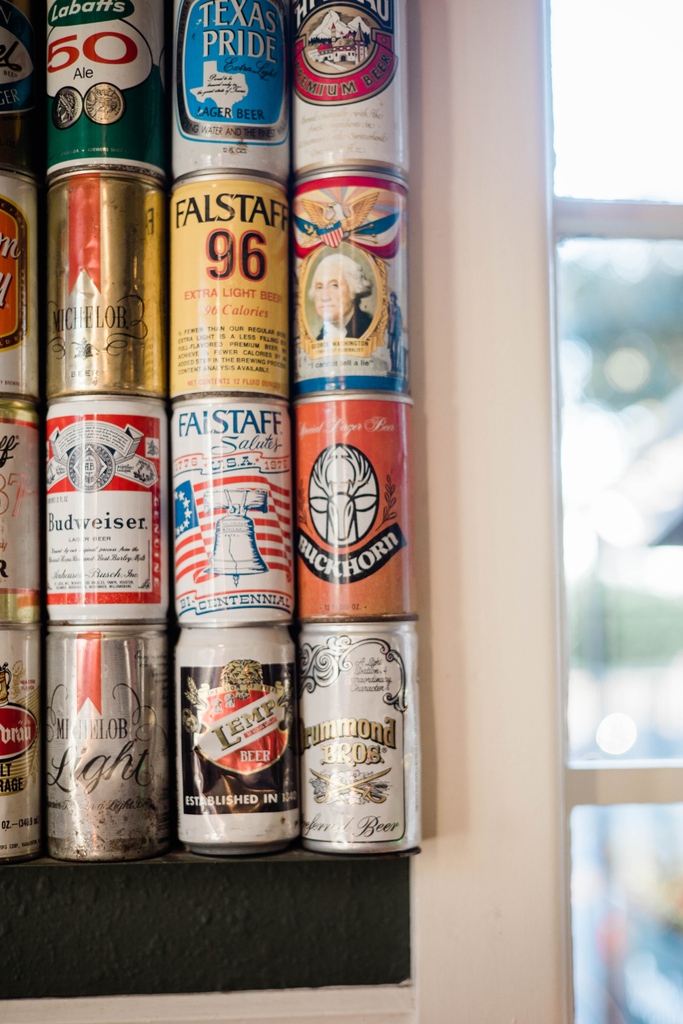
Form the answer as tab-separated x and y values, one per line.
106	510
18	134
107	756
354	516
20	715
232	489
18	284
19	512
106	294
237	760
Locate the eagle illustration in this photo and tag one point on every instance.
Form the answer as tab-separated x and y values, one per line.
333	222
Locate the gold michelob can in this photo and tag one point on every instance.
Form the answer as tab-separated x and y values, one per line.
106	286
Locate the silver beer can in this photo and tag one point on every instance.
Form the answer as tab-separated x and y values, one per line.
237	763
20	716
107	770
359	737
18	284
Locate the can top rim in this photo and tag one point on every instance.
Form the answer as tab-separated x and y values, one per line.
218	174
112	170
371	626
236	396
117	629
374	170
353	396
104	397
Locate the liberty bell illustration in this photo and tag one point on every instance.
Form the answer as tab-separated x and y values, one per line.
235	551
5	680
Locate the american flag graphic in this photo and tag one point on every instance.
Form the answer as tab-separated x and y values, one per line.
333	236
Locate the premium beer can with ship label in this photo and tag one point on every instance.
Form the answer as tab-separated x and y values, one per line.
229	286
231	98
232	489
107	750
18	128
354	515
106	510
20	715
19	513
18	284
106	291
359	737
105	85
350	84
238	788
351	324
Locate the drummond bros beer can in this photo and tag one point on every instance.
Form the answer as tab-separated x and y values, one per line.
351	323
229	286
354	516
237	760
105	84
18	129
20	810
107	756
19	512
232	490
18	284
350	84
106	510
106	293
231	98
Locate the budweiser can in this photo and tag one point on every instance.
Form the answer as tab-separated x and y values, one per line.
20	810
18	134
231	94
106	294
232	488
350	84
354	517
19	513
229	286
107	743
351	324
18	284
106	510
237	761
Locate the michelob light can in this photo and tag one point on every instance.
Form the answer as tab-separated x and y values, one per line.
229	286
18	284
350	84
105	85
351	324
238	786
106	293
107	750
19	512
20	810
18	129
354	516
106	510
231	98
232	489
359	737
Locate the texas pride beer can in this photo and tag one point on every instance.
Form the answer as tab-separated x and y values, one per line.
19	512
18	128
20	731
18	285
354	516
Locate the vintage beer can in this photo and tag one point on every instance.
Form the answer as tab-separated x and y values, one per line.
229	286
359	737
238	788
106	286
350	84
351	324
18	283
19	513
20	716
107	750
18	129
106	510
231	98
354	515
105	85
232	489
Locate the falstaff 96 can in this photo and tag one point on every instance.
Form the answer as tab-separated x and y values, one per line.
229	286
351	324
106	510
107	754
232	487
18	284
20	811
237	761
19	513
354	517
359	737
106	295
18	134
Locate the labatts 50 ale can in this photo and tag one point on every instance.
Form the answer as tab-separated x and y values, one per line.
20	731
18	285
18	128
19	512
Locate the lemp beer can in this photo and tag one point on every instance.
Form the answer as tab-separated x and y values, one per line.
106	510
18	135
238	786
232	489
19	513
20	810
354	517
18	284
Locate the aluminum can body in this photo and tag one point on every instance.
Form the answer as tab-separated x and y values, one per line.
350	84
360	761
106	510
229	286
351	323
106	291
18	130
354	515
238	788
105	85
231	96
107	750
18	285
20	729
232	488
19	512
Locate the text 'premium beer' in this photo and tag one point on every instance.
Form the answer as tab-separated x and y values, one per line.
20	809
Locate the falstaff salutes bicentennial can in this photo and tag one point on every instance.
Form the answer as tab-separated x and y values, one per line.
19	513
18	129
20	810
18	285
